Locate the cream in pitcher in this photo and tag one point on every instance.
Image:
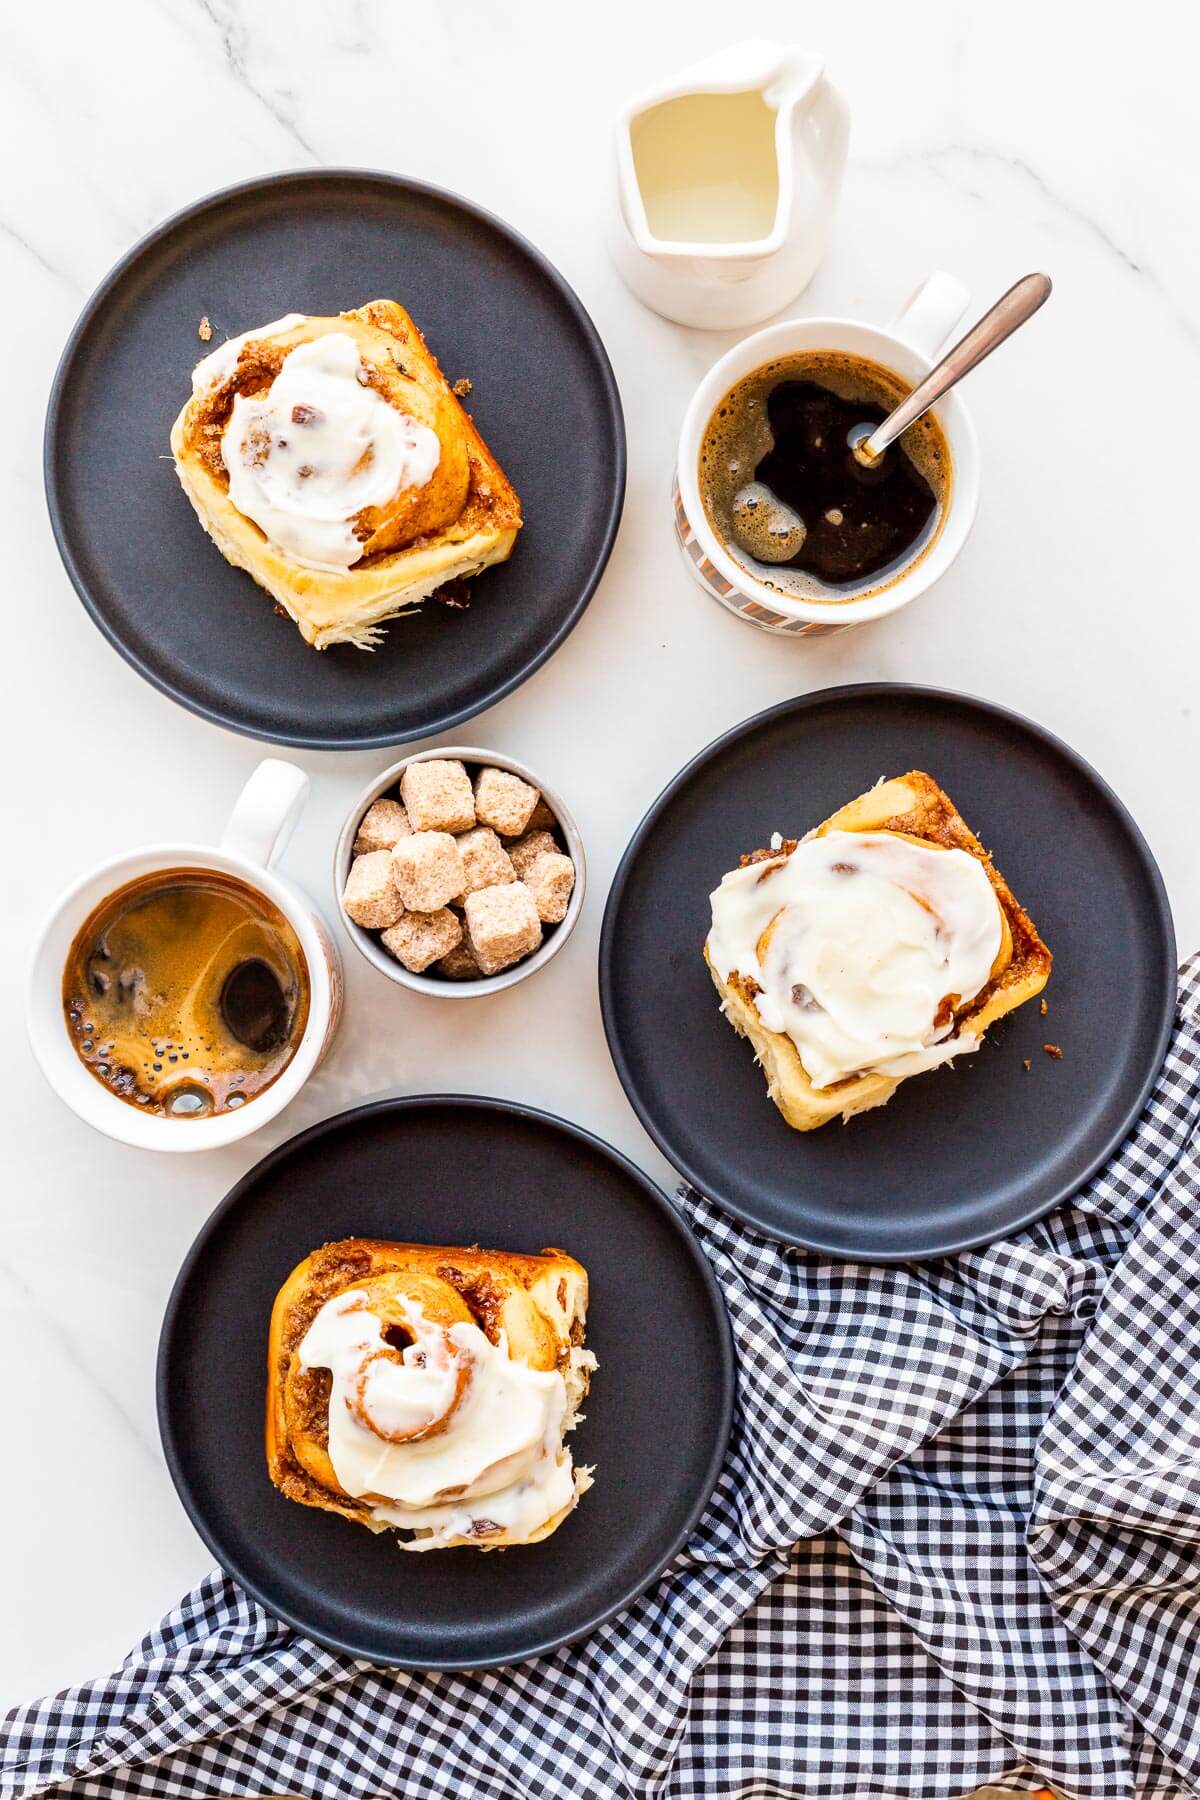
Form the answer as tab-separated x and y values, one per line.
725	184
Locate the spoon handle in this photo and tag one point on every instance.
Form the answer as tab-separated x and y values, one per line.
1012	309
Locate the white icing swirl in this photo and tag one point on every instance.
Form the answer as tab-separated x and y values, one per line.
491	1459
872	937
306	457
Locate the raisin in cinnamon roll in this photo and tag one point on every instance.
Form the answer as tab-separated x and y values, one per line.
881	945
330	459
429	1390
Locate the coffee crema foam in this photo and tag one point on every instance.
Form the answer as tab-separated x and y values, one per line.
739	439
186	993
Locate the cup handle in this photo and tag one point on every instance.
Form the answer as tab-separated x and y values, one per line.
265	815
930	314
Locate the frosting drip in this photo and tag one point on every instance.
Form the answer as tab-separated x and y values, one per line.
222	362
862	945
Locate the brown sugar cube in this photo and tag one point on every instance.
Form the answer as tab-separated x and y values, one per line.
370	897
420	938
502	925
437	796
459	964
428	870
527	850
541	818
485	859
382	826
504	801
550	878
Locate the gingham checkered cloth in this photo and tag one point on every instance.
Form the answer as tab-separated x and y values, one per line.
955	1541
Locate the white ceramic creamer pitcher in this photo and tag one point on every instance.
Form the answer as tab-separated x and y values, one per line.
725	183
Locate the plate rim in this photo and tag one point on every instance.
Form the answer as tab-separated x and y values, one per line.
868	690
212	201
478	1103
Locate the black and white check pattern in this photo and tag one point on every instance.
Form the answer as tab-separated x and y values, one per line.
956	1540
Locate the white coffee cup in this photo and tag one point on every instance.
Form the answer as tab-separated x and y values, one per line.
909	346
258	829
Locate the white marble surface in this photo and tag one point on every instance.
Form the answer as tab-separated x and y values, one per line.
984	141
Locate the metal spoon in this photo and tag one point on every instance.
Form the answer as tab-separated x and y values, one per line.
1012	309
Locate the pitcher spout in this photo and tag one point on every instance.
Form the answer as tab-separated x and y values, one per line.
725	181
791	76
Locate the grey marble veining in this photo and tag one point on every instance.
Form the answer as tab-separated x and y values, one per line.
985	143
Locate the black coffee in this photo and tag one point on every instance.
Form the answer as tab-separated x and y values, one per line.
186	993
788	498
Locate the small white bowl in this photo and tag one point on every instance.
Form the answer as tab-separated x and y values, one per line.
368	943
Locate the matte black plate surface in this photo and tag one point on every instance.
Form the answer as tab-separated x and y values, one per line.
960	1156
491	307
452	1170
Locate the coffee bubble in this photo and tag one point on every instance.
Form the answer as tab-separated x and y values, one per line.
765	526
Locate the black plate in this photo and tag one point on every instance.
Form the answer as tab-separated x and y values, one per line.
491	307
452	1170
958	1157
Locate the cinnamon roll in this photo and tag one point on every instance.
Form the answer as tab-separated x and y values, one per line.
330	459
429	1390
881	945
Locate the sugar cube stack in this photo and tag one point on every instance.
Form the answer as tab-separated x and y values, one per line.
462	873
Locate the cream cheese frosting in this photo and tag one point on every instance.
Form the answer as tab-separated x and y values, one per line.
491	1459
306	457
874	941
